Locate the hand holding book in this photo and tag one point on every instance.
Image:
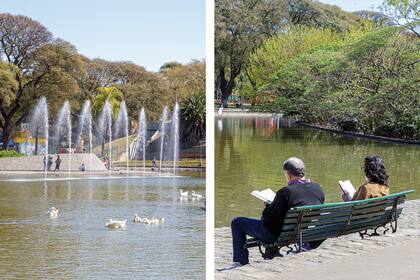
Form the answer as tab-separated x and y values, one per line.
347	189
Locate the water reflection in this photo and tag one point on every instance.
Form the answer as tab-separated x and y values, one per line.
250	151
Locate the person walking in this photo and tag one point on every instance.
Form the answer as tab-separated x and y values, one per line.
57	163
50	162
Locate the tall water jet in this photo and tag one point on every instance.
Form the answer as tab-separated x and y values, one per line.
142	131
64	121
121	127
85	126
104	127
162	135
175	135
39	120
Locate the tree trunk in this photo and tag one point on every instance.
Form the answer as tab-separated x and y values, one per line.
36	141
6	136
226	86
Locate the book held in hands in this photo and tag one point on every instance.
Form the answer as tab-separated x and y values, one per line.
347	188
266	195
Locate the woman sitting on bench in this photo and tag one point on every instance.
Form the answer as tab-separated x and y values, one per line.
376	180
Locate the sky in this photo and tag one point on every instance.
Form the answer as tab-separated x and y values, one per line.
146	32
354	5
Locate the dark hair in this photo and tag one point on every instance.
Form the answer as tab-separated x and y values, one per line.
294	166
375	170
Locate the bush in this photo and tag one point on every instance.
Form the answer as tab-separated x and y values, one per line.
11	153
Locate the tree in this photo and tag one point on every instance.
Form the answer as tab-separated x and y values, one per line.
184	79
366	84
405	13
193	118
114	97
276	51
38	62
241	25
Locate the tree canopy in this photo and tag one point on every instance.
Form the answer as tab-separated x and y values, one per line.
34	63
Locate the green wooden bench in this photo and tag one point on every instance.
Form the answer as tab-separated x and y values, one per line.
319	222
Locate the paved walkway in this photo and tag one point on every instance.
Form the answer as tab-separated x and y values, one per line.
391	256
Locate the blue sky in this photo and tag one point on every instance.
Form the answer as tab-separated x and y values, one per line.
354	5
146	32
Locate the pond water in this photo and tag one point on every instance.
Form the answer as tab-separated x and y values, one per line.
76	245
250	152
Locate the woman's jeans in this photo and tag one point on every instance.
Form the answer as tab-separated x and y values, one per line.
241	227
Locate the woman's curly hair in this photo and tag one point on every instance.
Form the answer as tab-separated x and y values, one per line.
375	170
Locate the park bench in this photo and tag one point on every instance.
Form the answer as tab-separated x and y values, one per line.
319	222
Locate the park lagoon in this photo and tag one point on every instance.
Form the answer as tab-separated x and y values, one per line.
250	152
76	244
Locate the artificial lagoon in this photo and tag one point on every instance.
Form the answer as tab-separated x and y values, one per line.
250	152
76	244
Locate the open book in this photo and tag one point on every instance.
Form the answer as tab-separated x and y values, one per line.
347	188
266	195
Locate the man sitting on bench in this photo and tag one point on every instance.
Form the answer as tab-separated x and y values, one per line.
298	192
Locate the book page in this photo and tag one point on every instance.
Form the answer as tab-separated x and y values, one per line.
347	188
266	195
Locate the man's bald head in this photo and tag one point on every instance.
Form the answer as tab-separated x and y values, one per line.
294	166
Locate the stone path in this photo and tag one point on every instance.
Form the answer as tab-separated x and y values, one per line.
332	251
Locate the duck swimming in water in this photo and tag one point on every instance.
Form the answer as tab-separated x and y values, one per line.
53	212
116	224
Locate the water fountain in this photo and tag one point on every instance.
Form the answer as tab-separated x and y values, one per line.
104	126
85	125
64	121
162	135
168	134
121	128
175	136
142	131
39	119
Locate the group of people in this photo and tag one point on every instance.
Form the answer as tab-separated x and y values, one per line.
48	162
298	192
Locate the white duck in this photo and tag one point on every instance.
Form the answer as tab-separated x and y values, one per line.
115	224
196	195
154	221
183	194
53	212
137	219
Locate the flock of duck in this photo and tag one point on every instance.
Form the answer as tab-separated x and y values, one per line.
194	195
121	224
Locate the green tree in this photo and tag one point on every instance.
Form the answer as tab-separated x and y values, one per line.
193	118
276	51
240	26
405	13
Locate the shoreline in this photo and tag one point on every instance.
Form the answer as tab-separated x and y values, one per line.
359	135
248	113
333	253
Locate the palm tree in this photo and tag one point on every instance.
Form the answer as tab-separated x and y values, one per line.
114	96
193	118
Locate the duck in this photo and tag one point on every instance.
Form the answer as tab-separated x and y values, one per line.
137	219
183	194
53	212
116	224
154	221
196	195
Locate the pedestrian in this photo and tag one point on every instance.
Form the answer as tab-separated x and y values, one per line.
57	163
45	162
50	162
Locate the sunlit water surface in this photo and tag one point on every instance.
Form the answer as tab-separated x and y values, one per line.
250	152
76	245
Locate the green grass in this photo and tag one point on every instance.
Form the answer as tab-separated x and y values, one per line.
11	153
